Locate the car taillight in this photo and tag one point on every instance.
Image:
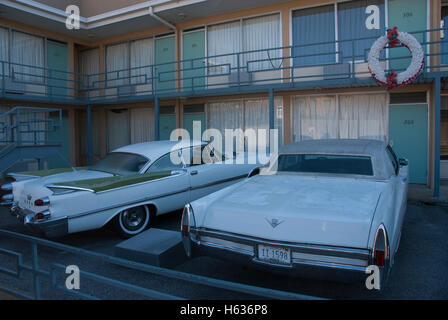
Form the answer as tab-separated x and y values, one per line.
43	215
8	197
42	202
187	220
6	187
379	258
185	227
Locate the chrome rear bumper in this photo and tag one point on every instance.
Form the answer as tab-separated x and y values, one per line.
51	228
307	260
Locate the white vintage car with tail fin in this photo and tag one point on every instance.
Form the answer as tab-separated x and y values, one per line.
323	208
128	187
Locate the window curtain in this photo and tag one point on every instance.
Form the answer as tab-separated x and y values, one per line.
4	50
223	39
261	33
363	116
117	64
142	125
315	118
352	25
142	55
444	128
444	39
310	27
245	114
28	51
89	61
360	116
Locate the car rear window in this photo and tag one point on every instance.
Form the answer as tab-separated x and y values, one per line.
121	163
322	163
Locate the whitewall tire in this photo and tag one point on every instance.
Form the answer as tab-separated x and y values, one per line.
132	221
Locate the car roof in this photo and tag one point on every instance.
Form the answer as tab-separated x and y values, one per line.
155	149
336	146
376	149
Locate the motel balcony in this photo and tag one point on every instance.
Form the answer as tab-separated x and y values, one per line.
319	65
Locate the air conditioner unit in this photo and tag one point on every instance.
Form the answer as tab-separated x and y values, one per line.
245	78
12	86
336	71
127	90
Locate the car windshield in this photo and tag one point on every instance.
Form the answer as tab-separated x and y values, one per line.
120	163
322	163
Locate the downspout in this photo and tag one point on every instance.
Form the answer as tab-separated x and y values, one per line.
152	14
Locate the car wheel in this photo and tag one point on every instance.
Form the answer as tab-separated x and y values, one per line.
132	221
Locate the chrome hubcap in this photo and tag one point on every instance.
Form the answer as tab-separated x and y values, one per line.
133	218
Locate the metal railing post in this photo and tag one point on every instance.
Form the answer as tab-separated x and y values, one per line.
3	79
89	135
157	117
50	88
36	278
17	125
238	68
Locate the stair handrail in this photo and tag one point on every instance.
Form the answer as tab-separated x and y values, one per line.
9	126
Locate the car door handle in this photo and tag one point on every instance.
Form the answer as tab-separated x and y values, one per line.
193	172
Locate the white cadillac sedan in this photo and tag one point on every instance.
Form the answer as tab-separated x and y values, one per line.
323	209
128	187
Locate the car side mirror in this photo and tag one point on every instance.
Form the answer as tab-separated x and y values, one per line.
403	162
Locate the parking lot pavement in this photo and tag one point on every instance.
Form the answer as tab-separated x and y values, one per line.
420	270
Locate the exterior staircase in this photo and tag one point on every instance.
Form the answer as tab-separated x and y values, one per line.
29	135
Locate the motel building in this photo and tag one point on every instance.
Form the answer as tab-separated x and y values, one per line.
73	88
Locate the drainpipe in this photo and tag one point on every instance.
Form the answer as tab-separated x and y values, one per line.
152	14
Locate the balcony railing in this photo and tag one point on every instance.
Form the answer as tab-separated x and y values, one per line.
336	63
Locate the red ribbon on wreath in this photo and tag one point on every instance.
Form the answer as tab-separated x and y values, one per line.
391	79
392	36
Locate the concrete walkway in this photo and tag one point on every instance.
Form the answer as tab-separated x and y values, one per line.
424	194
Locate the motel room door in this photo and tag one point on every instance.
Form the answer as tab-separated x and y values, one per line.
57	60
167	122
408	131
193	47
408	16
194	115
165	66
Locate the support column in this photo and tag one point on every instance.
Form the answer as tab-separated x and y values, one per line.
157	117
271	109
89	135
437	139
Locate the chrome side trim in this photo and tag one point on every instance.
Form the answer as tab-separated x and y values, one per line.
149	198
224	244
330	265
55	186
219	246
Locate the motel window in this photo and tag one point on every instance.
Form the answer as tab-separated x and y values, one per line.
129	62
88	64
310	27
353	23
244	114
244	35
27	54
319	39
358	116
4	50
444	129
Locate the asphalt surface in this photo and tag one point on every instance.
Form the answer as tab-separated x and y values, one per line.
420	270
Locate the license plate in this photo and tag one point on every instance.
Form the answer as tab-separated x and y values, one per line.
275	255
